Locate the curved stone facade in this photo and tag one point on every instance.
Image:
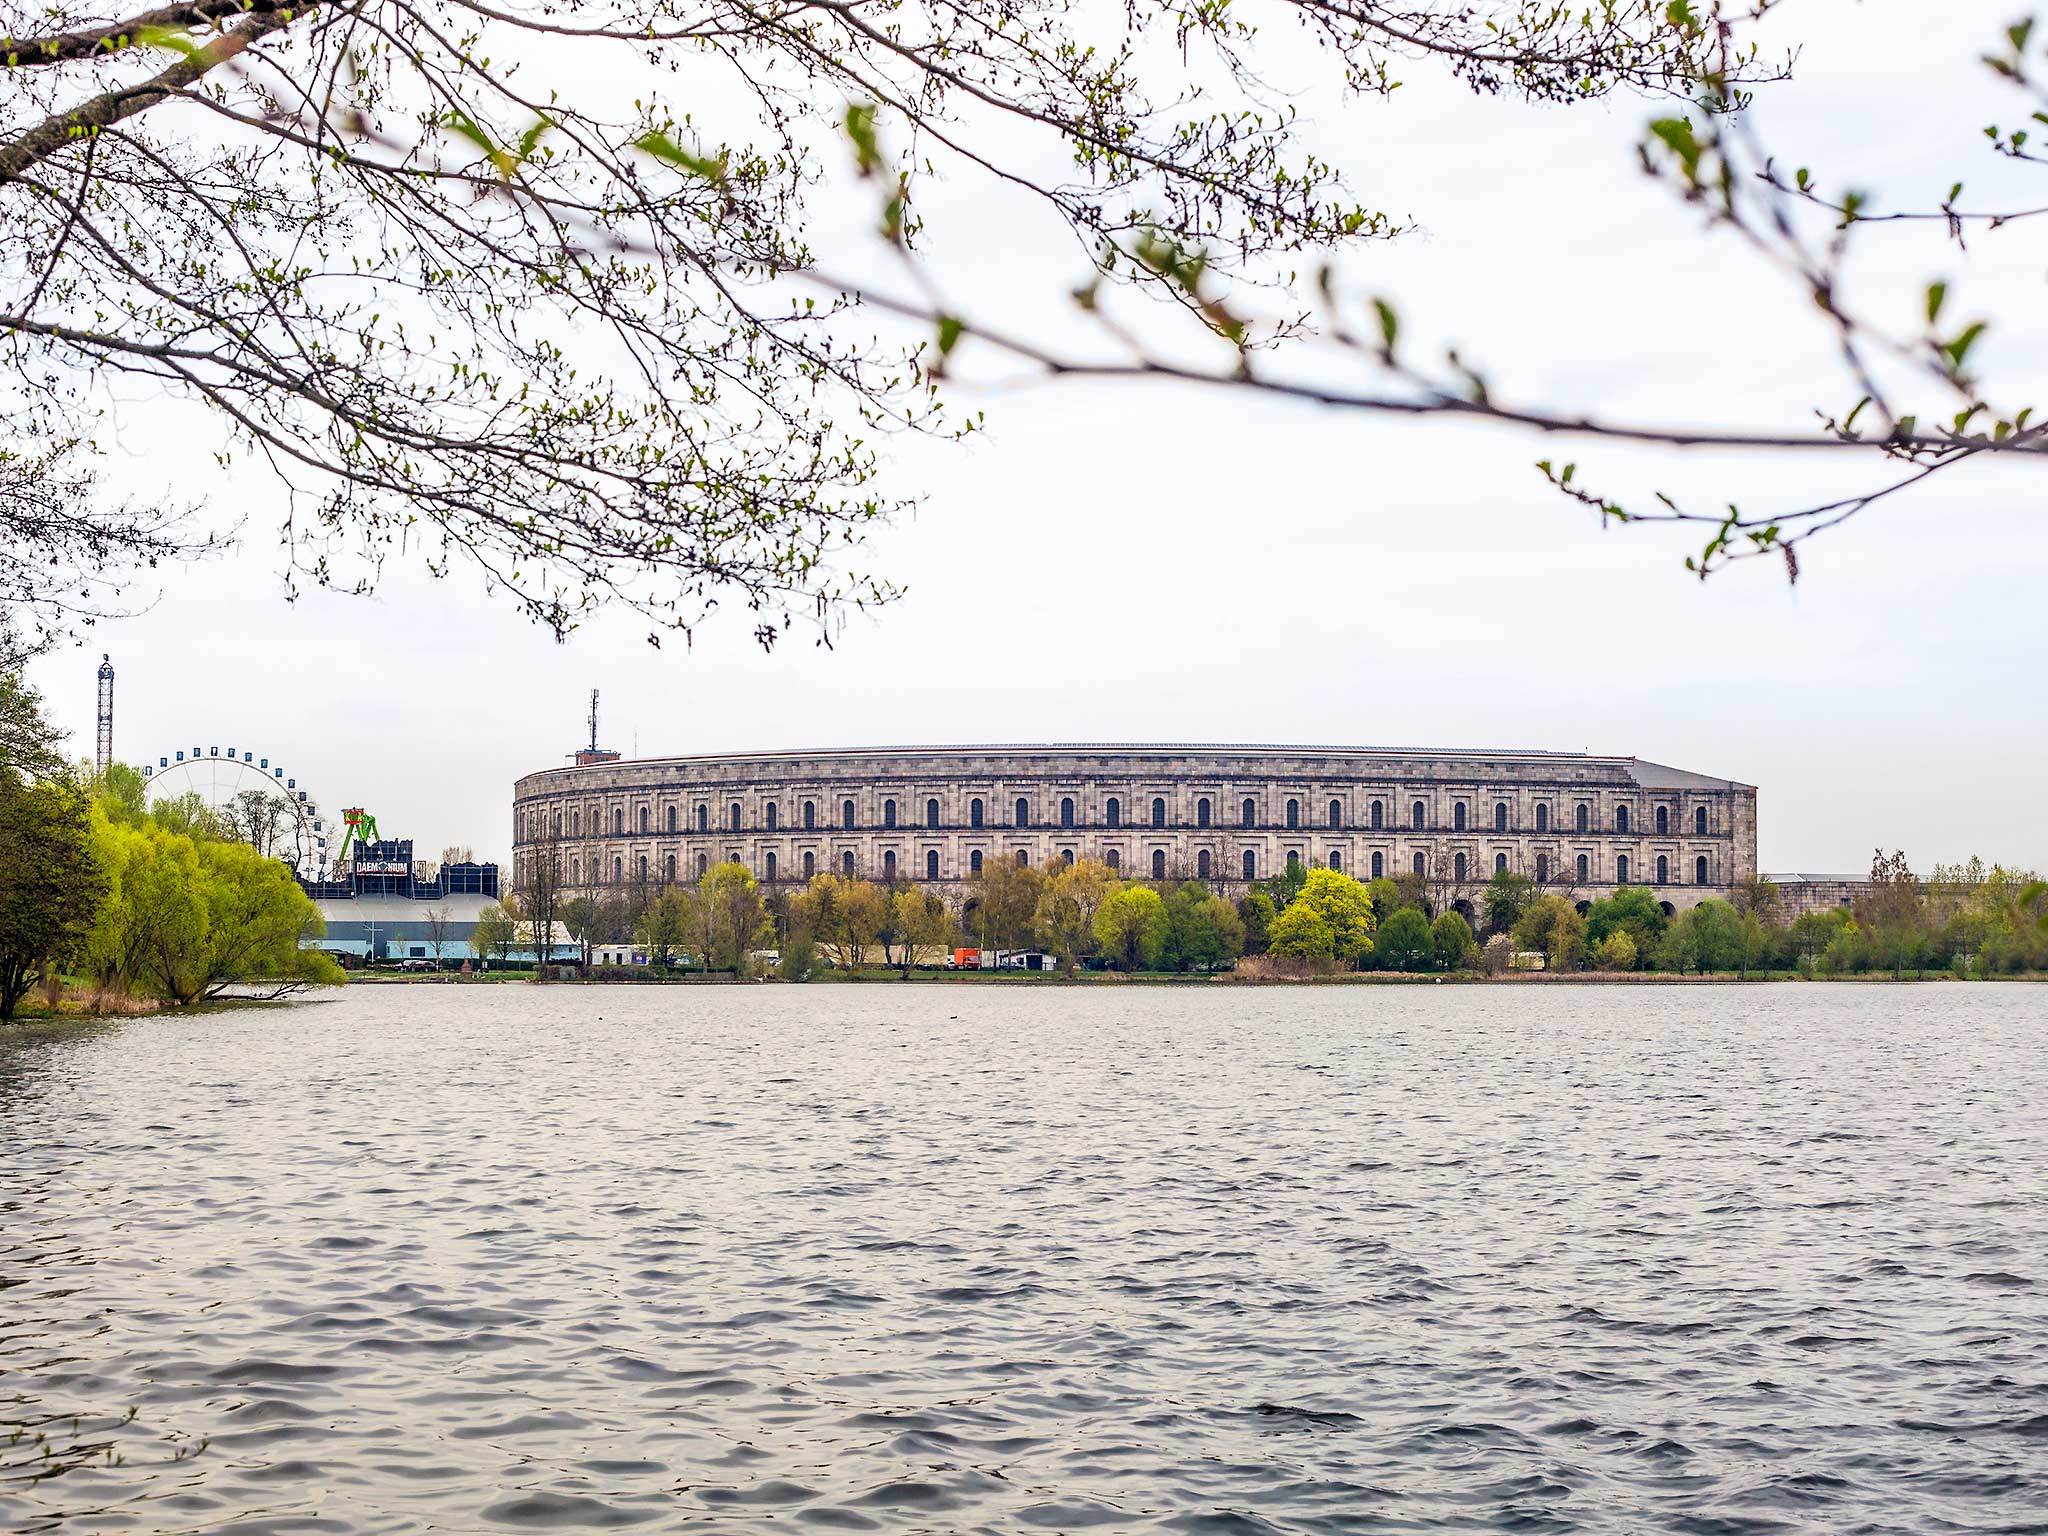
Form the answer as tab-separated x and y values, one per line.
1577	824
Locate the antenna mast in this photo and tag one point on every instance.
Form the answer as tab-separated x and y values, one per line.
105	756
593	720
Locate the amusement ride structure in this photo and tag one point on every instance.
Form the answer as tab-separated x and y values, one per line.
221	776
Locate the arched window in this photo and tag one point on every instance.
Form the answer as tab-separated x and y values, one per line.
1621	818
644	825
1066	810
1500	863
1023	812
1113	812
810	865
1158	863
1458	869
846	863
733	815
1621	869
1336	860
1250	862
1421	868
703	818
671	818
768	815
1158	811
618	821
1663	820
1699	870
1293	814
670	870
1584	869
1251	812
618	871
703	865
1699	821
1415	815
846	815
1500	815
1114	859
888	813
1379	866
1542	818
558	823
974	861
931	863
1585	817
1336	814
1067	857
1542	865
810	815
1378	814
931	814
769	868
1201	864
1663	866
1202	811
889	866
1023	858
976	813
1458	817
576	871
1293	859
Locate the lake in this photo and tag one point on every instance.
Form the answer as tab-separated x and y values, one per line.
971	1258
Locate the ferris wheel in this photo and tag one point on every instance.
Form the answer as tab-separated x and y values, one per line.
289	817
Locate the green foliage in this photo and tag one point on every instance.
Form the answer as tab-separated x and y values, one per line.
665	927
1064	918
1451	937
1204	932
732	920
1553	928
495	934
1631	908
28	741
1405	942
1616	952
1345	908
51	881
1131	928
1302	933
1506	898
798	959
1256	912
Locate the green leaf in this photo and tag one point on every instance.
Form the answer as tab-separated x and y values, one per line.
867	142
1959	349
1390	324
661	146
950	331
1936	293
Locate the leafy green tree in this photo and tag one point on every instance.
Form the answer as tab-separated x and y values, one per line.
734	922
580	918
258	918
845	915
51	881
29	743
1067	901
1300	932
1452	939
1405	942
666	926
1255	912
1616	952
1891	914
1204	931
1345	907
1004	898
1553	928
155	915
494	935
1131	928
922	925
1506	898
1630	907
1282	888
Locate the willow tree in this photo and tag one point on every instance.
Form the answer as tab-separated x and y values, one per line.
473	311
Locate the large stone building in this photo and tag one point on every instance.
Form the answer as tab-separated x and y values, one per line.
1575	823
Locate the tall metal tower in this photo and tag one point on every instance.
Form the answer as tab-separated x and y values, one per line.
593	720
593	753
105	755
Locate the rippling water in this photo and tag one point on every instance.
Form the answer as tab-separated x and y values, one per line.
974	1259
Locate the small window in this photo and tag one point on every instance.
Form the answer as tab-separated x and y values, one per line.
645	825
931	814
846	863
1201	862
977	813
1112	812
810	815
1251	813
1336	814
1663	820
1379	814
1699	870
1293	814
889	866
888	814
671	818
1585	869
1293	860
1023	858
576	822
1202	811
1067	857
1542	862
1699	822
1379	866
1250	862
1113	859
1158	811
1066	810
810	865
1585	817
1458	869
1336	860
1023	812
618	871
1542	818
1458	817
1421	865
769	815
846	815
1415	815
1621	818
974	858
1621	869
768	868
1500	815
703	818
931	863
1158	863
733	815
671	869
1663	865
703	865
1500	863
618	822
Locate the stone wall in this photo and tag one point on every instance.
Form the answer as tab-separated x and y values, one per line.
1168	811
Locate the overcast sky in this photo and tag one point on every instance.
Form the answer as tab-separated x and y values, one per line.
1162	564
